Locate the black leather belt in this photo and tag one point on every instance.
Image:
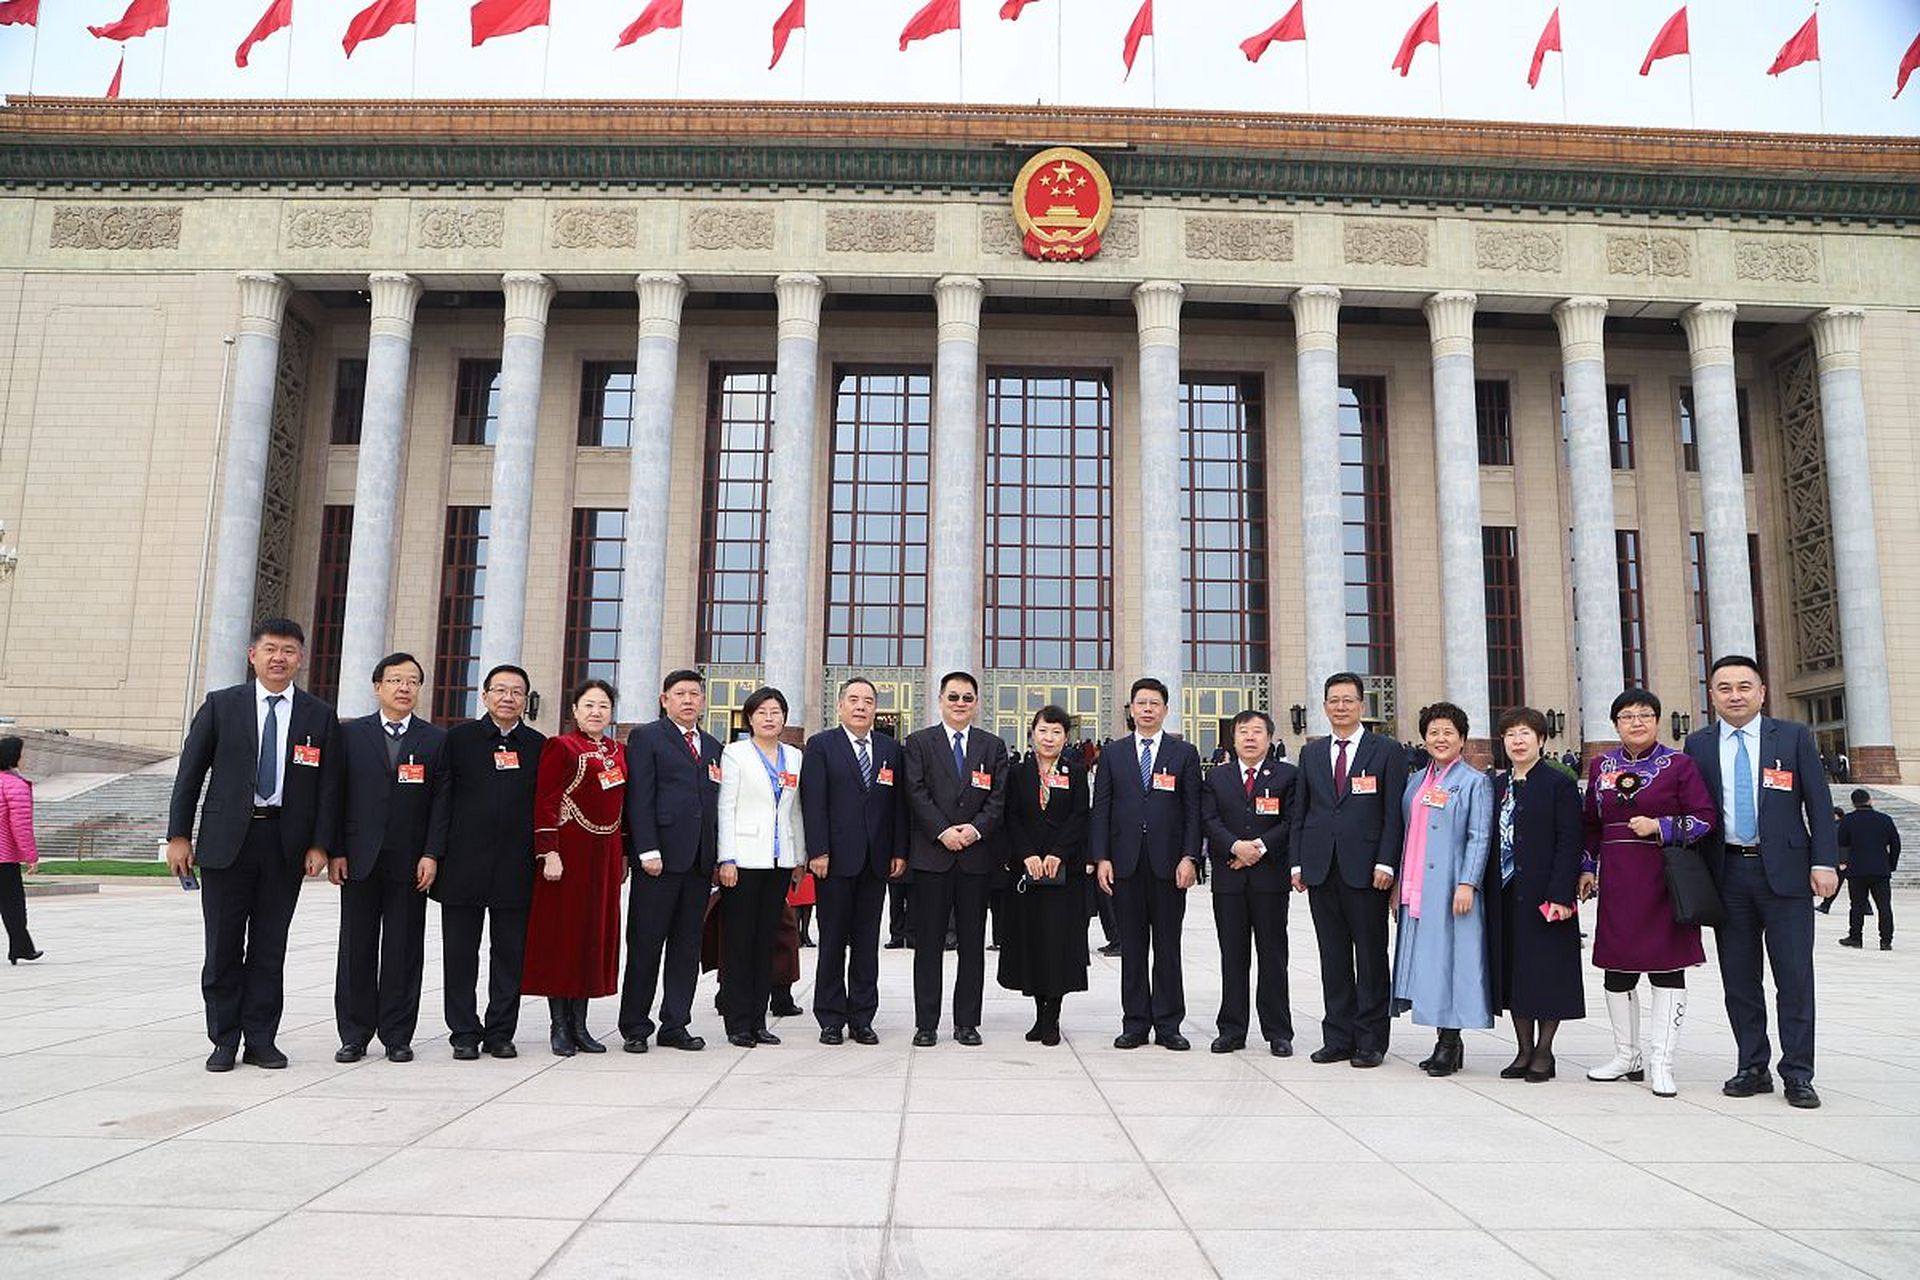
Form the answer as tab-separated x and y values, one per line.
1744	850
266	811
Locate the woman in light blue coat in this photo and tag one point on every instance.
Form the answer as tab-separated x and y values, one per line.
1440	960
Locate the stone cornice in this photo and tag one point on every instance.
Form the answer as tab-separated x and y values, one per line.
1183	155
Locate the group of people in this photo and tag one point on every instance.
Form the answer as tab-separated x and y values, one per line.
1480	874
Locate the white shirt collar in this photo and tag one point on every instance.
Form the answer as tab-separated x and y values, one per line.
1752	726
1153	740
261	693
1352	739
405	723
857	739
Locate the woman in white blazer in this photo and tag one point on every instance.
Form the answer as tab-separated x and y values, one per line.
762	847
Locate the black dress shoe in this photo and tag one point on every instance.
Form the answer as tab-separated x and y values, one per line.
266	1057
635	1044
400	1053
32	955
1537	1073
1280	1048
787	1010
1327	1053
1850	942
925	1039
1800	1093
1228	1044
466	1053
832	1035
864	1035
221	1059
1128	1040
1886	946
502	1049
681	1040
1111	949
741	1039
1175	1041
1367	1058
895	944
763	1036
355	1052
969	1036
1747	1082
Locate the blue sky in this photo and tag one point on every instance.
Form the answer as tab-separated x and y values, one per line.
849	51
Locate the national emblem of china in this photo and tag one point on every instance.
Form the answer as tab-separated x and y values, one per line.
1062	201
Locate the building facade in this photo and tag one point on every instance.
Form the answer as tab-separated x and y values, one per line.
1498	413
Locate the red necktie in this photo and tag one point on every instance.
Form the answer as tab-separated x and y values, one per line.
1250	777
1340	770
693	746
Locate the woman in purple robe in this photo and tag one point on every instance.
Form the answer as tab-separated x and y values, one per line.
1641	796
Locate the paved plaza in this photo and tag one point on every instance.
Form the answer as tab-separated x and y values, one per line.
120	1156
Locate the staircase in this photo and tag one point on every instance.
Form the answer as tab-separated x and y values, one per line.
124	818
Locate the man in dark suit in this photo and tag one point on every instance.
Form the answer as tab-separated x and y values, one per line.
956	795
273	809
1869	855
672	821
1775	840
1143	835
855	819
484	849
1244	810
1345	839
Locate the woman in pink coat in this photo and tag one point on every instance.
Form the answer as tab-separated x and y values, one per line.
17	850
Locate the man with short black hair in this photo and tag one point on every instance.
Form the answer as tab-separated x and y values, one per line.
272	811
1869	855
1245	809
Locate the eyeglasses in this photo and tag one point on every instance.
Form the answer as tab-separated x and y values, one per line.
1635	717
498	692
1343	702
961	697
401	682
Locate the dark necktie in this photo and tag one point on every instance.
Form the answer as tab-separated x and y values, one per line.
1250	777
1340	770
1146	764
960	753
394	732
266	774
693	746
866	763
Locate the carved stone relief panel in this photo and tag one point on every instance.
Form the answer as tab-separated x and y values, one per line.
592	226
116	226
1535	250
1793	259
460	226
1231	239
730	226
332	225
879	229
1382	242
1649	253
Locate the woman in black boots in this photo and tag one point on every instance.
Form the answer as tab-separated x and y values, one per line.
1043	951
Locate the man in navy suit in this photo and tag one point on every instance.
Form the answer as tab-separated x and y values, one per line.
1345	839
273	807
855	818
1244	809
672	822
1144	836
1774	843
396	793
1869	854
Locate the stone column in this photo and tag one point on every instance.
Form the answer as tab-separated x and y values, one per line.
523	352
1463	570
376	488
1856	551
1316	337
1162	515
1596	573
643	580
788	651
243	487
1723	485
953	556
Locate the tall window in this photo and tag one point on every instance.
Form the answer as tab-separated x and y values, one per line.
1367	536
606	403
1049	541
463	592
349	399
593	596
1493	411
1620	428
877	525
1633	624
476	401
329	603
733	521
1223	476
1506	650
1689	438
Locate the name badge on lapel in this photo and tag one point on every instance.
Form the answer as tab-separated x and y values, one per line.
306	755
713	773
1363	784
1777	779
1434	798
413	773
789	779
884	775
612	776
1059	781
1266	806
506	760
1164	782
982	780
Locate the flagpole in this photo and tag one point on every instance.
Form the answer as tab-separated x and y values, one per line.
413	76
960	57
546	57
1306	72
803	64
33	59
1693	113
1155	90
287	89
164	33
679	54
1440	74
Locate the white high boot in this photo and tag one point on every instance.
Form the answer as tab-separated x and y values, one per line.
1663	1038
1623	1010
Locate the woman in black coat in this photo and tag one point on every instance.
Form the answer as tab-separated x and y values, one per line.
1043	950
1534	874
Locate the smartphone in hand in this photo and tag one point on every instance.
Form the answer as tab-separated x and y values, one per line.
189	881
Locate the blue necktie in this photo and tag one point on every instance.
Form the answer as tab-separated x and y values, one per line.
1743	822
960	753
866	765
266	774
1146	764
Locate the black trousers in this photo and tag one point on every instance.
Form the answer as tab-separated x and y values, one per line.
460	962
1355	977
1100	905
749	923
846	983
937	897
246	909
1250	922
13	911
383	947
1859	889
664	915
1763	929
1150	913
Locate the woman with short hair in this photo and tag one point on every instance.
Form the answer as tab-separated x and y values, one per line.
1045	951
762	848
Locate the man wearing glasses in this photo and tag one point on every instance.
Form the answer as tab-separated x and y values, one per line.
956	793
485	852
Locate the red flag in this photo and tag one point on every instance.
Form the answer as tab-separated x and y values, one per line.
1907	65
113	88
1141	28
1011	9
375	21
1425	30
934	17
506	17
141	17
659	15
1291	27
1803	47
1672	40
1549	43
793	19
26	13
279	14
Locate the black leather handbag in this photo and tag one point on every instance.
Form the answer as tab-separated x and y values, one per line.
1690	887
